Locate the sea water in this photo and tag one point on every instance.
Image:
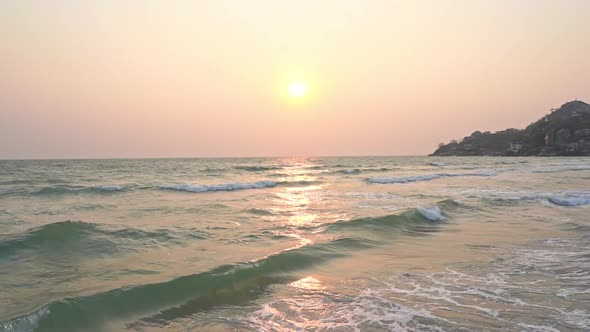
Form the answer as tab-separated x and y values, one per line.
307	244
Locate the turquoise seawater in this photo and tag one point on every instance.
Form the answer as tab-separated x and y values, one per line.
295	244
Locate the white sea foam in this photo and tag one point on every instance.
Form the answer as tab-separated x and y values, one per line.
433	213
25	323
577	317
570	200
426	177
367	311
567	292
437	164
110	188
491	292
220	187
537	328
500	194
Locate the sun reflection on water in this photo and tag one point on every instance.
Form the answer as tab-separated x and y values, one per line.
296	201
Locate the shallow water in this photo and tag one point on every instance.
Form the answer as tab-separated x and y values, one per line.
273	244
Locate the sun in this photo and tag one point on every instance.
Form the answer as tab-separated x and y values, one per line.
297	89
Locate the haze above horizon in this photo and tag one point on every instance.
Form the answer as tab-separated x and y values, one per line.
148	79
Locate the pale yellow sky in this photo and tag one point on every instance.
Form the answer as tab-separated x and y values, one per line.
140	78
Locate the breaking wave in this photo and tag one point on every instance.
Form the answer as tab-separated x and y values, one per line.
220	187
433	213
201	188
65	190
417	221
570	199
27	322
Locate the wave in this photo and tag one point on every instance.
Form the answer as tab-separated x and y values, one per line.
570	199
15	181
260	212
109	188
572	168
501	196
28	322
64	190
433	213
257	168
220	187
348	171
361	170
212	170
513	162
437	164
191	293
239	186
314	167
425	177
70	237
413	221
300	183
89	239
416	178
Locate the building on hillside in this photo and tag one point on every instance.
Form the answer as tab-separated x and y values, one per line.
515	147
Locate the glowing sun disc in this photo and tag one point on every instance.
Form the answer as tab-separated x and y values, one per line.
297	89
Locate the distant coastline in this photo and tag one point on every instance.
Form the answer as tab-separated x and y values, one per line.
563	132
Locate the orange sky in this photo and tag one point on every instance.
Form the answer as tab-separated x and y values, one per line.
139	78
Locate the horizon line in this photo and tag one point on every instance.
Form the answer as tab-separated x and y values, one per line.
215	157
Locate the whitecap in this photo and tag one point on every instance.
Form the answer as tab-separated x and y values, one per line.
570	200
433	213
220	187
110	188
25	323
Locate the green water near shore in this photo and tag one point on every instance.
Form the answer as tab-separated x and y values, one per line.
272	244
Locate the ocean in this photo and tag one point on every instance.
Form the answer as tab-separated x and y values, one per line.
295	244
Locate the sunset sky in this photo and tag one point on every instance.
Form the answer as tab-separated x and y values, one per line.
139	78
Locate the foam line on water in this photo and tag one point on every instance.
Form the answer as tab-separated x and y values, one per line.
220	187
426	177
